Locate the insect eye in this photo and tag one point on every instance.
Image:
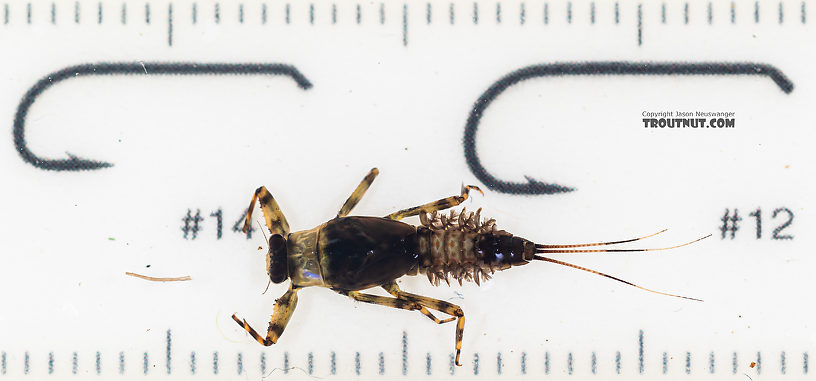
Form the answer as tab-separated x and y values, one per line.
276	259
276	241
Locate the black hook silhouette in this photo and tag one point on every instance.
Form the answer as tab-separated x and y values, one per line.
74	163
589	68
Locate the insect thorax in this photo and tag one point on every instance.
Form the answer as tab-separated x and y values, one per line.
462	247
304	265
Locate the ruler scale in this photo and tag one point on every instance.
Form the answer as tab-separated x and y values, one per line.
139	129
313	8
569	367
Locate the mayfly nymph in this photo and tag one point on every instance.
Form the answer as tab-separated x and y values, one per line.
351	253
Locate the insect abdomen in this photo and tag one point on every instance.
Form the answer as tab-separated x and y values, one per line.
460	247
504	250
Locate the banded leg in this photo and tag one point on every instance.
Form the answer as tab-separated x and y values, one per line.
358	193
442	204
393	289
381	300
435	304
275	220
284	307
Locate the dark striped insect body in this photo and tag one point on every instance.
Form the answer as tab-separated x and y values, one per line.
348	254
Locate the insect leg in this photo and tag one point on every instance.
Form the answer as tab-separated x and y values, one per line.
381	300
275	220
393	289
284	307
437	205
435	304
358	193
